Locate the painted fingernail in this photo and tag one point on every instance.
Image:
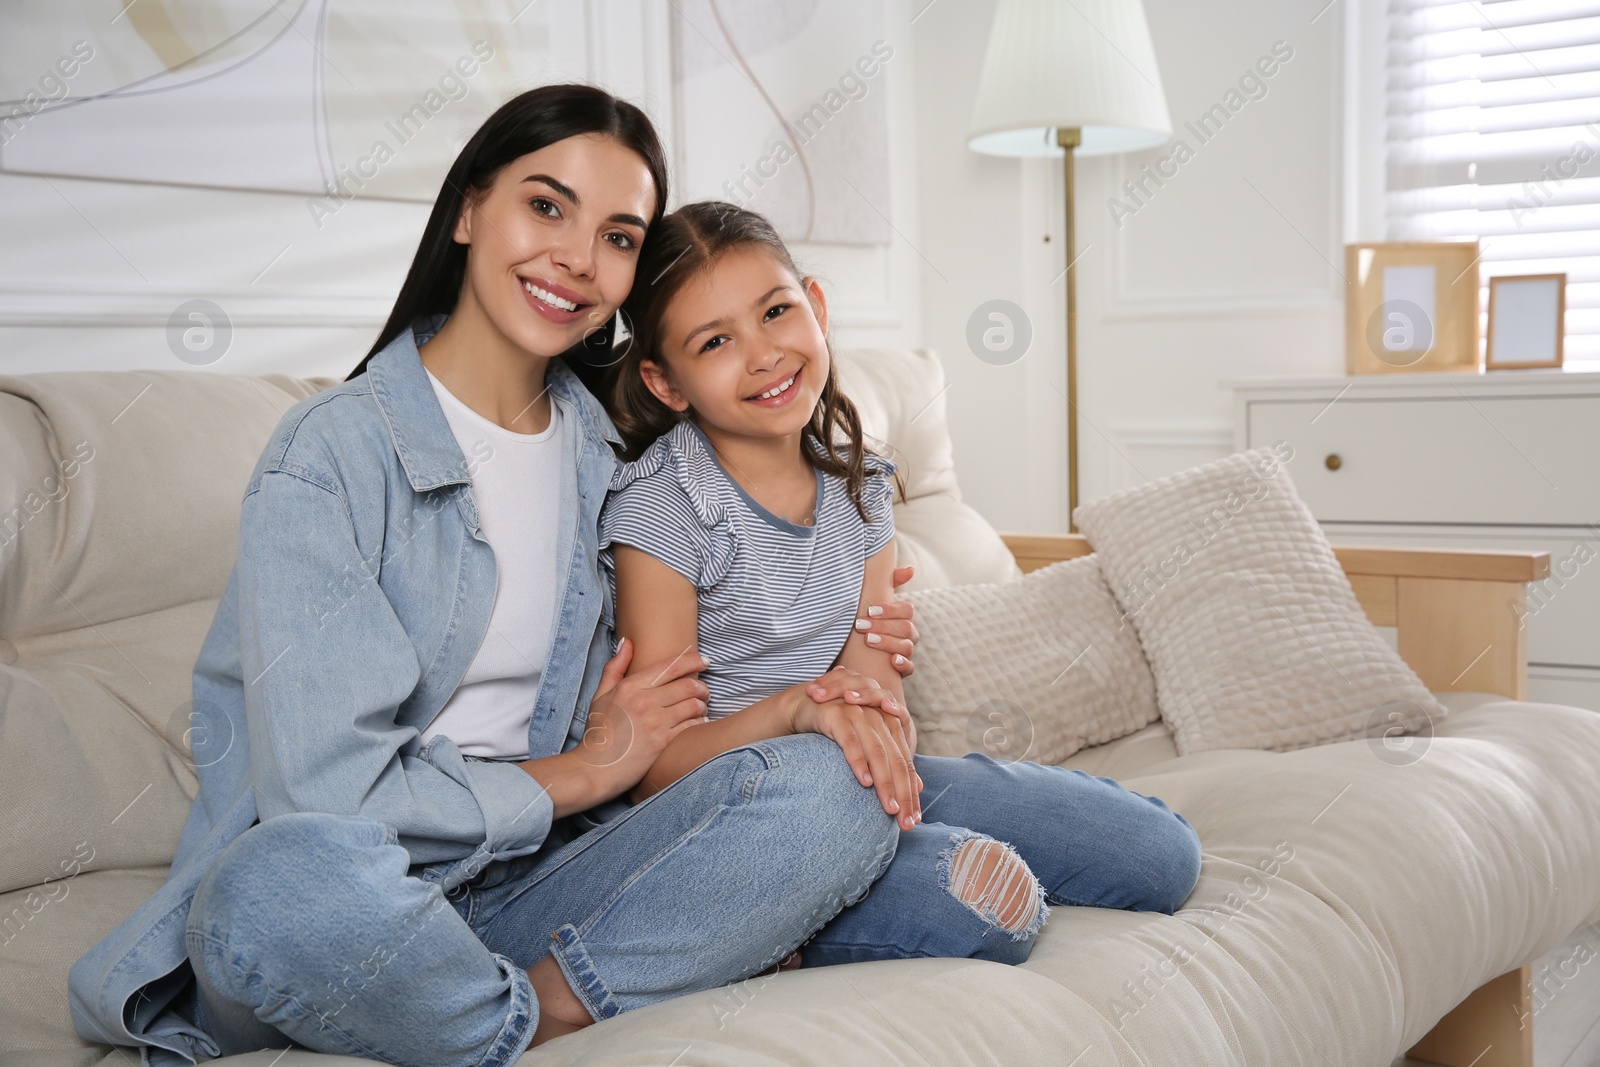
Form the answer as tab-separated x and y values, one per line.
874	639
852	694
875	610
894	805
899	659
863	624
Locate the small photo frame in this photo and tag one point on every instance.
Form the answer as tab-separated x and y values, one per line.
1527	317
1411	306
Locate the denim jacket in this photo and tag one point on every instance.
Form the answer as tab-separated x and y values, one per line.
360	595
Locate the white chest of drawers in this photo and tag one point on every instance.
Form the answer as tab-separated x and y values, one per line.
1503	460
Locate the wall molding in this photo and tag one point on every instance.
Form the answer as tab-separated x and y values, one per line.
1219	305
150	306
1128	441
1123	305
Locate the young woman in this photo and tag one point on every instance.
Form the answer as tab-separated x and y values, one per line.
412	847
752	528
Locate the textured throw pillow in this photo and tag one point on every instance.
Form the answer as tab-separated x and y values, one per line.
1249	623
1034	668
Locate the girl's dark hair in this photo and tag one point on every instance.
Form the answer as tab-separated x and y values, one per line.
678	248
525	123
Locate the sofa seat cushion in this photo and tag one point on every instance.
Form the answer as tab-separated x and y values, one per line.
1140	751
1346	902
43	929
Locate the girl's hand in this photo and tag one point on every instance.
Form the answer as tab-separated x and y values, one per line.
888	627
634	716
873	730
842	683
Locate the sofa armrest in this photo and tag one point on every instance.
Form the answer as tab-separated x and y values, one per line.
1033	551
1461	614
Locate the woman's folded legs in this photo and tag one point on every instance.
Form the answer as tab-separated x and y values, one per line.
309	926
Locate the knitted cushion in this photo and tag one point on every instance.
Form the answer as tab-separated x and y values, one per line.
1248	621
1034	668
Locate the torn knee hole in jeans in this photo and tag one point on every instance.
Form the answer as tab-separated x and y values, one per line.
991	879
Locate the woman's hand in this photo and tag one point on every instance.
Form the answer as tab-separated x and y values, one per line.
870	727
888	627
634	716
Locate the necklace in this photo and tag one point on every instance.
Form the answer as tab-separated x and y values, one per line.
811	516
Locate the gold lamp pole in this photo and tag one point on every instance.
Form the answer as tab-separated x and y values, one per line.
1079	79
1069	139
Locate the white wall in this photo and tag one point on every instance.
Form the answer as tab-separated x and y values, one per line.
1222	273
1225	271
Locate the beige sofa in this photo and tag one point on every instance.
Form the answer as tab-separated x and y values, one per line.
1346	904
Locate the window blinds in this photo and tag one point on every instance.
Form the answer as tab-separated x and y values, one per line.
1493	131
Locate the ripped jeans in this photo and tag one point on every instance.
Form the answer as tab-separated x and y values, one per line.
309	929
999	843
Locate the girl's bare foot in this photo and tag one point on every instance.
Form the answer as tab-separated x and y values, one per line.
791	963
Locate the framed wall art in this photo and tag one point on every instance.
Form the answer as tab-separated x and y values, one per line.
1411	306
1527	313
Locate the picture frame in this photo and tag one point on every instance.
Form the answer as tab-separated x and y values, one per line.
1411	306
1527	321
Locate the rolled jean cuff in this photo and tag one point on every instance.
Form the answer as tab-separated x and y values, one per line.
578	966
521	1021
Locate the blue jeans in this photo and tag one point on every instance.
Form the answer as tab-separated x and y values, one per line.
309	930
1086	840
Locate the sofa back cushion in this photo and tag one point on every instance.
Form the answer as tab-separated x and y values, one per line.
119	517
120	491
1031	669
900	394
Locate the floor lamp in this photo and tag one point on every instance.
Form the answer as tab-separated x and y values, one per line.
1069	79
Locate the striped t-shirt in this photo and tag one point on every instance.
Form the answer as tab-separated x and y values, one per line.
776	600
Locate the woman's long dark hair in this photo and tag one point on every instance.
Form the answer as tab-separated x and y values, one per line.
680	247
525	123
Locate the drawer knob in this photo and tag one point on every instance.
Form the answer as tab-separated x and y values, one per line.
1333	462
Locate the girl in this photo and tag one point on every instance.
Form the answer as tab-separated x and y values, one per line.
399	855
749	529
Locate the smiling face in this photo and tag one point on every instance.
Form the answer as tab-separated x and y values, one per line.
555	239
744	345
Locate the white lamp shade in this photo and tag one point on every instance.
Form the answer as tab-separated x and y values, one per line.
1055	64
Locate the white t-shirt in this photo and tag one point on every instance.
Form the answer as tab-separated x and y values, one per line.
517	488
